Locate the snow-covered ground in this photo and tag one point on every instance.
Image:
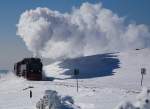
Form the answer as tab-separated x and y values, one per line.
104	81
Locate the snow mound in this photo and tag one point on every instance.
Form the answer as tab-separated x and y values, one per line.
143	101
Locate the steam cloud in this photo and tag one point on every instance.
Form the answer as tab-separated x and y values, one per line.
89	30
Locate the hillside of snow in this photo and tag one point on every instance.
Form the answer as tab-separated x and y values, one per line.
119	70
104	81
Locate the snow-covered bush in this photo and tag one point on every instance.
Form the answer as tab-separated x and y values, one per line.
51	100
143	101
54	100
67	99
125	105
68	103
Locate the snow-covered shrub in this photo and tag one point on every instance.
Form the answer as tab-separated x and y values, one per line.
67	99
68	103
125	105
51	100
143	101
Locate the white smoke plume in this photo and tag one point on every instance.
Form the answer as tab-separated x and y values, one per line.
91	29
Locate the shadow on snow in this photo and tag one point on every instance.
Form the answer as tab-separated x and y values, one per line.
91	66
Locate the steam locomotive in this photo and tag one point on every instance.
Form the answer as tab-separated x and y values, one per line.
29	68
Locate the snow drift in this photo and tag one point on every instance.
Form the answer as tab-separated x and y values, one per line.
90	29
142	103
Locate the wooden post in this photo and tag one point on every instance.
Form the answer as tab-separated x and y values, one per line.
77	83
30	94
142	81
76	73
143	72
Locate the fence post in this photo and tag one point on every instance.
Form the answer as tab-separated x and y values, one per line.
143	72
76	73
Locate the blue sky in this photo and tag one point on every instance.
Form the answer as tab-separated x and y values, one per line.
12	48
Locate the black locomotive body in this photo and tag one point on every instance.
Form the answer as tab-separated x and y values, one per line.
29	68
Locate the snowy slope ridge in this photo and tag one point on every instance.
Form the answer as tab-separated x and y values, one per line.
117	70
104	81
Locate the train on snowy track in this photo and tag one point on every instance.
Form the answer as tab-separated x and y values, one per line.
29	68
